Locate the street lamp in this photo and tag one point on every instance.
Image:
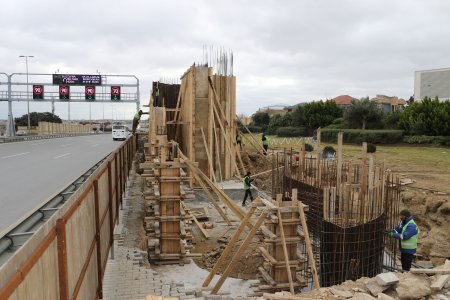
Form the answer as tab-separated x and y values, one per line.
28	100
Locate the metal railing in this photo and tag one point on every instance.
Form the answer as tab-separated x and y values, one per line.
66	257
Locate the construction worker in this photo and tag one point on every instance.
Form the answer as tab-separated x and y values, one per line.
238	140
136	119
157	97
265	143
247	185
407	232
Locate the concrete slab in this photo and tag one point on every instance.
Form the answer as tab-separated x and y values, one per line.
386	279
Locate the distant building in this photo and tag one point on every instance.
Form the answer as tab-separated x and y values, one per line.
389	104
432	83
343	100
275	110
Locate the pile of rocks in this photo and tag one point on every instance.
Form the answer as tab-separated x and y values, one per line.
388	286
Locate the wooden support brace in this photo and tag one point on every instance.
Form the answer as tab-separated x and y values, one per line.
231	243
286	256
240	252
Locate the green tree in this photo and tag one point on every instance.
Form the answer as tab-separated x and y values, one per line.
315	114
428	117
363	114
278	121
36	117
392	119
260	118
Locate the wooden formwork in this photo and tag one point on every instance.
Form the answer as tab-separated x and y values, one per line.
283	251
203	120
163	174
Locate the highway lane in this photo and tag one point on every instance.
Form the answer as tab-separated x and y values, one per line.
33	172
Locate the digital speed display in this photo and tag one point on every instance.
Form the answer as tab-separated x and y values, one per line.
77	79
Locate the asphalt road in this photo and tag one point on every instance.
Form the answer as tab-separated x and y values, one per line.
33	172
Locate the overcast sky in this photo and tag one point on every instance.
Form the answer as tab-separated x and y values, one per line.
285	52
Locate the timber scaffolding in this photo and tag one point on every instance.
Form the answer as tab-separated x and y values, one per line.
200	123
201	117
351	204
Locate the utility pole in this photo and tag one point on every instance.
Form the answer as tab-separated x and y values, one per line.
28	100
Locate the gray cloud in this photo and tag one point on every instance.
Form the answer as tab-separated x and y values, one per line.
285	51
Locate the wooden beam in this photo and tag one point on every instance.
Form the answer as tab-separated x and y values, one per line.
286	256
440	282
209	156
269	296
206	234
240	251
312	263
226	252
227	140
211	197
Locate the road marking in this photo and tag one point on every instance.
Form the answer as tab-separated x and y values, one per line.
35	144
66	145
95	145
18	154
62	155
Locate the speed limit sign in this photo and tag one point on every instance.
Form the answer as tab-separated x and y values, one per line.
38	92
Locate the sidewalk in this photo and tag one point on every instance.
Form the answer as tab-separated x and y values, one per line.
129	275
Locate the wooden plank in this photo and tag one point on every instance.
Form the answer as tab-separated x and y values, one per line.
312	263
440	282
286	256
285	297
208	155
226	252
267	255
266	276
227	140
197	223
211	197
240	252
430	271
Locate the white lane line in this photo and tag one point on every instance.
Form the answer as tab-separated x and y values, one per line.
62	155
35	144
66	145
18	154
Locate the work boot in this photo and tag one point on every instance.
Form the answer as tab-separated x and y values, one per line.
243	203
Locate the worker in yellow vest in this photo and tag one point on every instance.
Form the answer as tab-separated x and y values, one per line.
247	187
265	143
407	232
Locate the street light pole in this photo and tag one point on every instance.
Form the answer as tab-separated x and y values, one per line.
28	100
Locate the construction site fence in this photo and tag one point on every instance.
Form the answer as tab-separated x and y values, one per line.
66	258
50	128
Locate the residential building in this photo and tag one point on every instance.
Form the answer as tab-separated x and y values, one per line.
432	83
389	104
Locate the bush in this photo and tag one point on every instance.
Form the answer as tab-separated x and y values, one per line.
426	139
357	136
255	128
309	147
328	151
371	148
290	131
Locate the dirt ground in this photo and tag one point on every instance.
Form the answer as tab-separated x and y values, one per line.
220	234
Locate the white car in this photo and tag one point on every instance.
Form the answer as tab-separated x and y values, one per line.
119	132
21	132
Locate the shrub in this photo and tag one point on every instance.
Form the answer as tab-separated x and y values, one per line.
426	139
357	136
371	148
309	147
290	131
255	128
328	151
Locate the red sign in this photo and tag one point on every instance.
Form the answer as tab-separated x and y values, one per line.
115	92
64	92
89	92
38	92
